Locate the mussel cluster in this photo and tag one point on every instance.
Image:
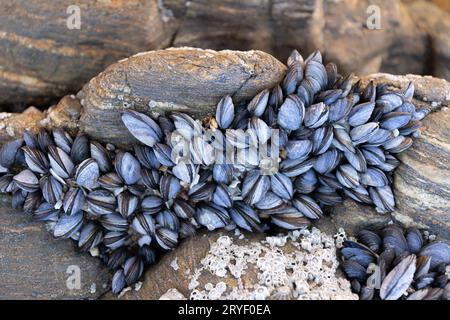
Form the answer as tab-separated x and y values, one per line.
335	139
394	264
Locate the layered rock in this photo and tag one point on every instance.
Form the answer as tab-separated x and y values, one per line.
184	79
42	59
44	54
422	182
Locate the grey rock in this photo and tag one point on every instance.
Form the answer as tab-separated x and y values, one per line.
35	266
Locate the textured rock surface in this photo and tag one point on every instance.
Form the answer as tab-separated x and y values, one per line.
64	115
12	125
229	24
422	182
338	28
184	79
34	266
301	265
42	59
352	216
421	44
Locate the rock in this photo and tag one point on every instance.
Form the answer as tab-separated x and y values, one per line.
224	265
435	25
422	182
296	25
183	79
270	26
413	37
172	294
65	114
35	266
409	53
163	277
235	25
43	59
338	29
351	37
421	186
12	125
429	92
352	217
441	49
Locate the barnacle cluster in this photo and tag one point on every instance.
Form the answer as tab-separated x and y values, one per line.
276	160
298	265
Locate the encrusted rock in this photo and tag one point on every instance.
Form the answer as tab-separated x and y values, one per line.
65	114
172	294
12	125
430	92
421	180
300	265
